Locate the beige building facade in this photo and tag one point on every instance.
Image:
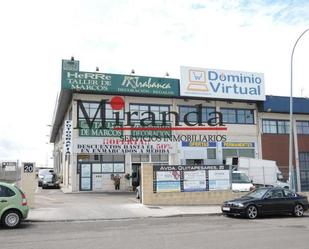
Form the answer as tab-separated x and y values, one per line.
90	153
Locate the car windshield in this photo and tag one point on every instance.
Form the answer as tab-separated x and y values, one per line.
48	177
240	178
280	177
258	193
45	171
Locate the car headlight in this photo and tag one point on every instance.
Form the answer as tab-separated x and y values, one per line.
239	204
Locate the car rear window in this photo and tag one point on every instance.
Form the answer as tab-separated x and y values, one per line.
46	171
19	190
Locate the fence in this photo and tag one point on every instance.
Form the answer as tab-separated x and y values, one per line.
9	172
185	185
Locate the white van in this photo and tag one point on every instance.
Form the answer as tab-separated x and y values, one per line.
241	182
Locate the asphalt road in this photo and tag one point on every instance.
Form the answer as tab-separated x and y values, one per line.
207	232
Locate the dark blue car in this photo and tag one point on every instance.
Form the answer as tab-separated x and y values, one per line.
267	201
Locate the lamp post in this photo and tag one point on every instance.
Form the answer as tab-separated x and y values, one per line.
291	178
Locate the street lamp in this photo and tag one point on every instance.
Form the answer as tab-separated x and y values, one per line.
291	121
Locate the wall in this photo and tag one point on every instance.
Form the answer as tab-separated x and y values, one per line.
276	147
182	198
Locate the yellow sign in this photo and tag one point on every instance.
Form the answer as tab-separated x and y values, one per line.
238	144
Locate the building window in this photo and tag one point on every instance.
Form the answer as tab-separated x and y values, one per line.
192	117
138	158
304	160
93	111
275	126
157	110
304	170
211	154
238	153
159	158
302	127
237	116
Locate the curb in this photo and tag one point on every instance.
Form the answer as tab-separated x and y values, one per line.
125	218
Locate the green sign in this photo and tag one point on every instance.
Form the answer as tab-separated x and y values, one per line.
119	84
151	133
97	131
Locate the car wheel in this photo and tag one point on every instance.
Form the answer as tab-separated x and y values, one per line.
11	219
298	210
252	212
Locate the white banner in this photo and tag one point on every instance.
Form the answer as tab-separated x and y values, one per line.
168	175
197	175
217	83
194	185
118	146
219	179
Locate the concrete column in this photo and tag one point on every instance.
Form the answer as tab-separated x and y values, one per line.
28	182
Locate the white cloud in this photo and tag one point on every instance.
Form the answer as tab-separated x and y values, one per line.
150	36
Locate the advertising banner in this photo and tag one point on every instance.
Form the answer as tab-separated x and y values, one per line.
238	144
190	178
173	186
118	146
197	175
119	84
199	144
68	136
221	84
192	186
9	166
194	180
219	179
97	131
168	175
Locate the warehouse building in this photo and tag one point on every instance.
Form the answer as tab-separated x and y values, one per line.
275	129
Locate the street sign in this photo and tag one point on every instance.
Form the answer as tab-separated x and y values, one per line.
28	167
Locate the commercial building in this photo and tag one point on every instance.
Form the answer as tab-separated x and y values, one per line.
109	124
274	119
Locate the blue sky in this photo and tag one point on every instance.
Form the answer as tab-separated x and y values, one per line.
153	37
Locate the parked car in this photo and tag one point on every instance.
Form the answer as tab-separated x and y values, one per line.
50	181
13	205
265	201
42	173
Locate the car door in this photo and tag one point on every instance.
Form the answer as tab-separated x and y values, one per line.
273	202
290	200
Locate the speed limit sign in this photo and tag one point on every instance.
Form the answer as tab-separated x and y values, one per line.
28	167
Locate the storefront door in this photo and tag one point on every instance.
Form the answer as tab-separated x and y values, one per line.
136	167
85	177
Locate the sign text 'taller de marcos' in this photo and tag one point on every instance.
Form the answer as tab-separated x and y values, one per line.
118	83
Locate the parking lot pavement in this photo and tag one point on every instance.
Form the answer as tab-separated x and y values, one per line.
54	205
